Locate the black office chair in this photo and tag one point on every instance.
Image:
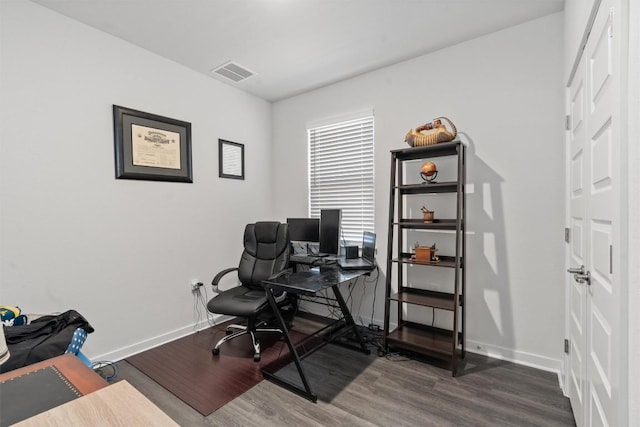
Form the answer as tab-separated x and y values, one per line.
266	252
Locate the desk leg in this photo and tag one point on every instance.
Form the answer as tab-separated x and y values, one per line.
306	392
351	324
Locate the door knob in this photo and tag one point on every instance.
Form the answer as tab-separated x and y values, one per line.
583	277
577	270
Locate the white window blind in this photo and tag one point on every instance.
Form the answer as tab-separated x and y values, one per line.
341	174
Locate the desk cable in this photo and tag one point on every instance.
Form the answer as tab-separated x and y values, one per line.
200	300
375	292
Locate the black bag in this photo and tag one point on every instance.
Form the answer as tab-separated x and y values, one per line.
43	338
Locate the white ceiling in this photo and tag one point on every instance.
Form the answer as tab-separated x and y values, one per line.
295	46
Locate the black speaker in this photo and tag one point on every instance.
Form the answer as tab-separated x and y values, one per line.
350	252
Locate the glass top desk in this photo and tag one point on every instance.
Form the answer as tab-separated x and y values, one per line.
310	283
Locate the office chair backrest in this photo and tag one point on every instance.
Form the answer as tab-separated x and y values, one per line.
266	252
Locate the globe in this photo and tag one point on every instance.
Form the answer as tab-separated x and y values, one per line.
428	171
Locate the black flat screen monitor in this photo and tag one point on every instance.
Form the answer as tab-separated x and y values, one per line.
304	229
330	231
369	245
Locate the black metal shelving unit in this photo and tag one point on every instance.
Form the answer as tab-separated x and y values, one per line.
447	344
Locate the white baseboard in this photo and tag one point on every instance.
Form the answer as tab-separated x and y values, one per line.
520	357
124	352
561	377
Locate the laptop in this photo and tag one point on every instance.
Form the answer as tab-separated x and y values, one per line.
367	261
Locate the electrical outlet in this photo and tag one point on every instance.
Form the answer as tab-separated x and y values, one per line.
195	287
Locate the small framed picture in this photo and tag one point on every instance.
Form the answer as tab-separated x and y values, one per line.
151	147
230	159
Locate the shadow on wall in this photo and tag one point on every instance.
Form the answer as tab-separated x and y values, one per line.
488	300
489	316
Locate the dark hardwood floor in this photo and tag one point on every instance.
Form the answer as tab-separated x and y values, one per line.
359	390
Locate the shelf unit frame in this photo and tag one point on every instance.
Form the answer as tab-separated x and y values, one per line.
409	335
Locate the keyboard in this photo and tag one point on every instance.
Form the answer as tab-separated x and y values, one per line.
307	259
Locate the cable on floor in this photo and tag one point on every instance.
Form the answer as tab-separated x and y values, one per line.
107	370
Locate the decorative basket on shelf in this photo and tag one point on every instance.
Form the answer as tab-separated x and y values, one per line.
431	133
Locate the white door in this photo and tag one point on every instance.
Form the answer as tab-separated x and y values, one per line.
595	351
577	158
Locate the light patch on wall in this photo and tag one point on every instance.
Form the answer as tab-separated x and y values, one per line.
489	243
492	299
487	199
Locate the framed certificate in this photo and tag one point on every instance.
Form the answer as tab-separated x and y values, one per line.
151	147
230	159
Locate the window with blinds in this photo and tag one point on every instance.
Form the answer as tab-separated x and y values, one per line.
341	174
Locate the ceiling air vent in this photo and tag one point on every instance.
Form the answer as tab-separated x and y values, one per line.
233	71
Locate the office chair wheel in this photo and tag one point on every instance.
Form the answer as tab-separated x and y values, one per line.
215	351
256	357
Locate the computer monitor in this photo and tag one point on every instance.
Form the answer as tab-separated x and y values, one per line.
369	245
304	229
330	231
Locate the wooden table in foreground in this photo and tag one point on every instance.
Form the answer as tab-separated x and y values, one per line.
120	404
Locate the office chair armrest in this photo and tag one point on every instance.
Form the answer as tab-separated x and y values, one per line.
219	276
282	273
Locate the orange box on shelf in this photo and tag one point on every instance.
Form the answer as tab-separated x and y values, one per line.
423	253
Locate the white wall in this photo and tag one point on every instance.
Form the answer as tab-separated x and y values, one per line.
121	252
124	252
505	93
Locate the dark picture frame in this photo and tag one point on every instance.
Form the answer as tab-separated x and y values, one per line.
230	159
151	147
